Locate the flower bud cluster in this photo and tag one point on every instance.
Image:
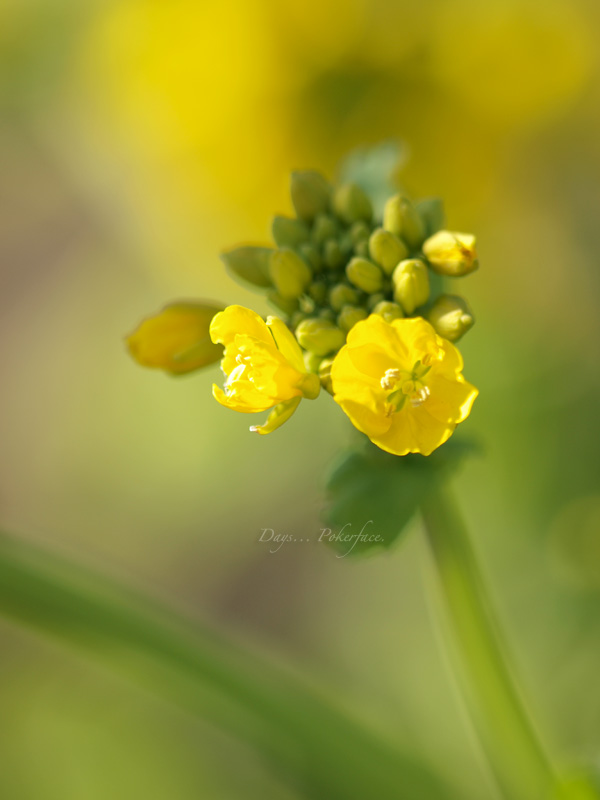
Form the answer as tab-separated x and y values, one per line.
335	263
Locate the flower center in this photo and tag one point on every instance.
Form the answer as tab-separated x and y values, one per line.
244	371
403	384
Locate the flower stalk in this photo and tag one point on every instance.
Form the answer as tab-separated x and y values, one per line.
498	713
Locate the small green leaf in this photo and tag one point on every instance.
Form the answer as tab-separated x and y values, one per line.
371	495
250	264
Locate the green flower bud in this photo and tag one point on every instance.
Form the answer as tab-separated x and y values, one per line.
451	254
307	304
318	291
350	203
312	361
349	316
289	232
359	232
325	374
289	273
327	313
386	250
346	244
373	299
431	212
332	254
342	295
177	339
286	304
361	248
324	227
450	316
320	336
389	311
297	318
311	255
311	194
401	218
251	264
411	284
365	275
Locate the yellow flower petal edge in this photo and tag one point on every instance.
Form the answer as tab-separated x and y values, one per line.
401	384
263	366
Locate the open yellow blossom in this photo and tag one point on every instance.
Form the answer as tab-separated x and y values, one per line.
263	365
401	384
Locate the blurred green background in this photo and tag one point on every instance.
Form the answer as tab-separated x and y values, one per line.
138	139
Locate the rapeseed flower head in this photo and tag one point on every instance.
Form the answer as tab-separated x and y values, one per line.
360	316
401	384
263	364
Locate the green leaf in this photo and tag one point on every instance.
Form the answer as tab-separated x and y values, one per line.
249	264
375	170
372	495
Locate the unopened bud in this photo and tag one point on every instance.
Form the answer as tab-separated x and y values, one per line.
373	299
401	218
310	194
325	374
332	254
310	254
324	227
450	316
349	316
389	311
342	295
289	273
451	254
431	211
320	336
327	313
361	248
364	275
318	291
359	232
177	339
411	284
289	232
386	249
350	203
251	264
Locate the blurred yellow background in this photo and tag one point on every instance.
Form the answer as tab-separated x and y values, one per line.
140	138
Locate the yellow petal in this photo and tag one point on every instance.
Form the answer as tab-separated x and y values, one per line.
237	319
450	400
286	343
280	414
242	403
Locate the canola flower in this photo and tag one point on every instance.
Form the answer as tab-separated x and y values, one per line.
360	314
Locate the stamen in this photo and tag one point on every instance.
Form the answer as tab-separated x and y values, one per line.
390	379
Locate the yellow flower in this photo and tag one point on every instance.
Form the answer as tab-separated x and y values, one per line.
264	366
176	339
401	384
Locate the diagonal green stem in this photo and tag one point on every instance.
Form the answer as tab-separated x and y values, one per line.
505	729
315	746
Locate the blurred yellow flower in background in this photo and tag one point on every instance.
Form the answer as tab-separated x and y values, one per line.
263	364
401	384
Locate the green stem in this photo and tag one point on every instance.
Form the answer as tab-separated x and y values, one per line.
317	747
514	751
